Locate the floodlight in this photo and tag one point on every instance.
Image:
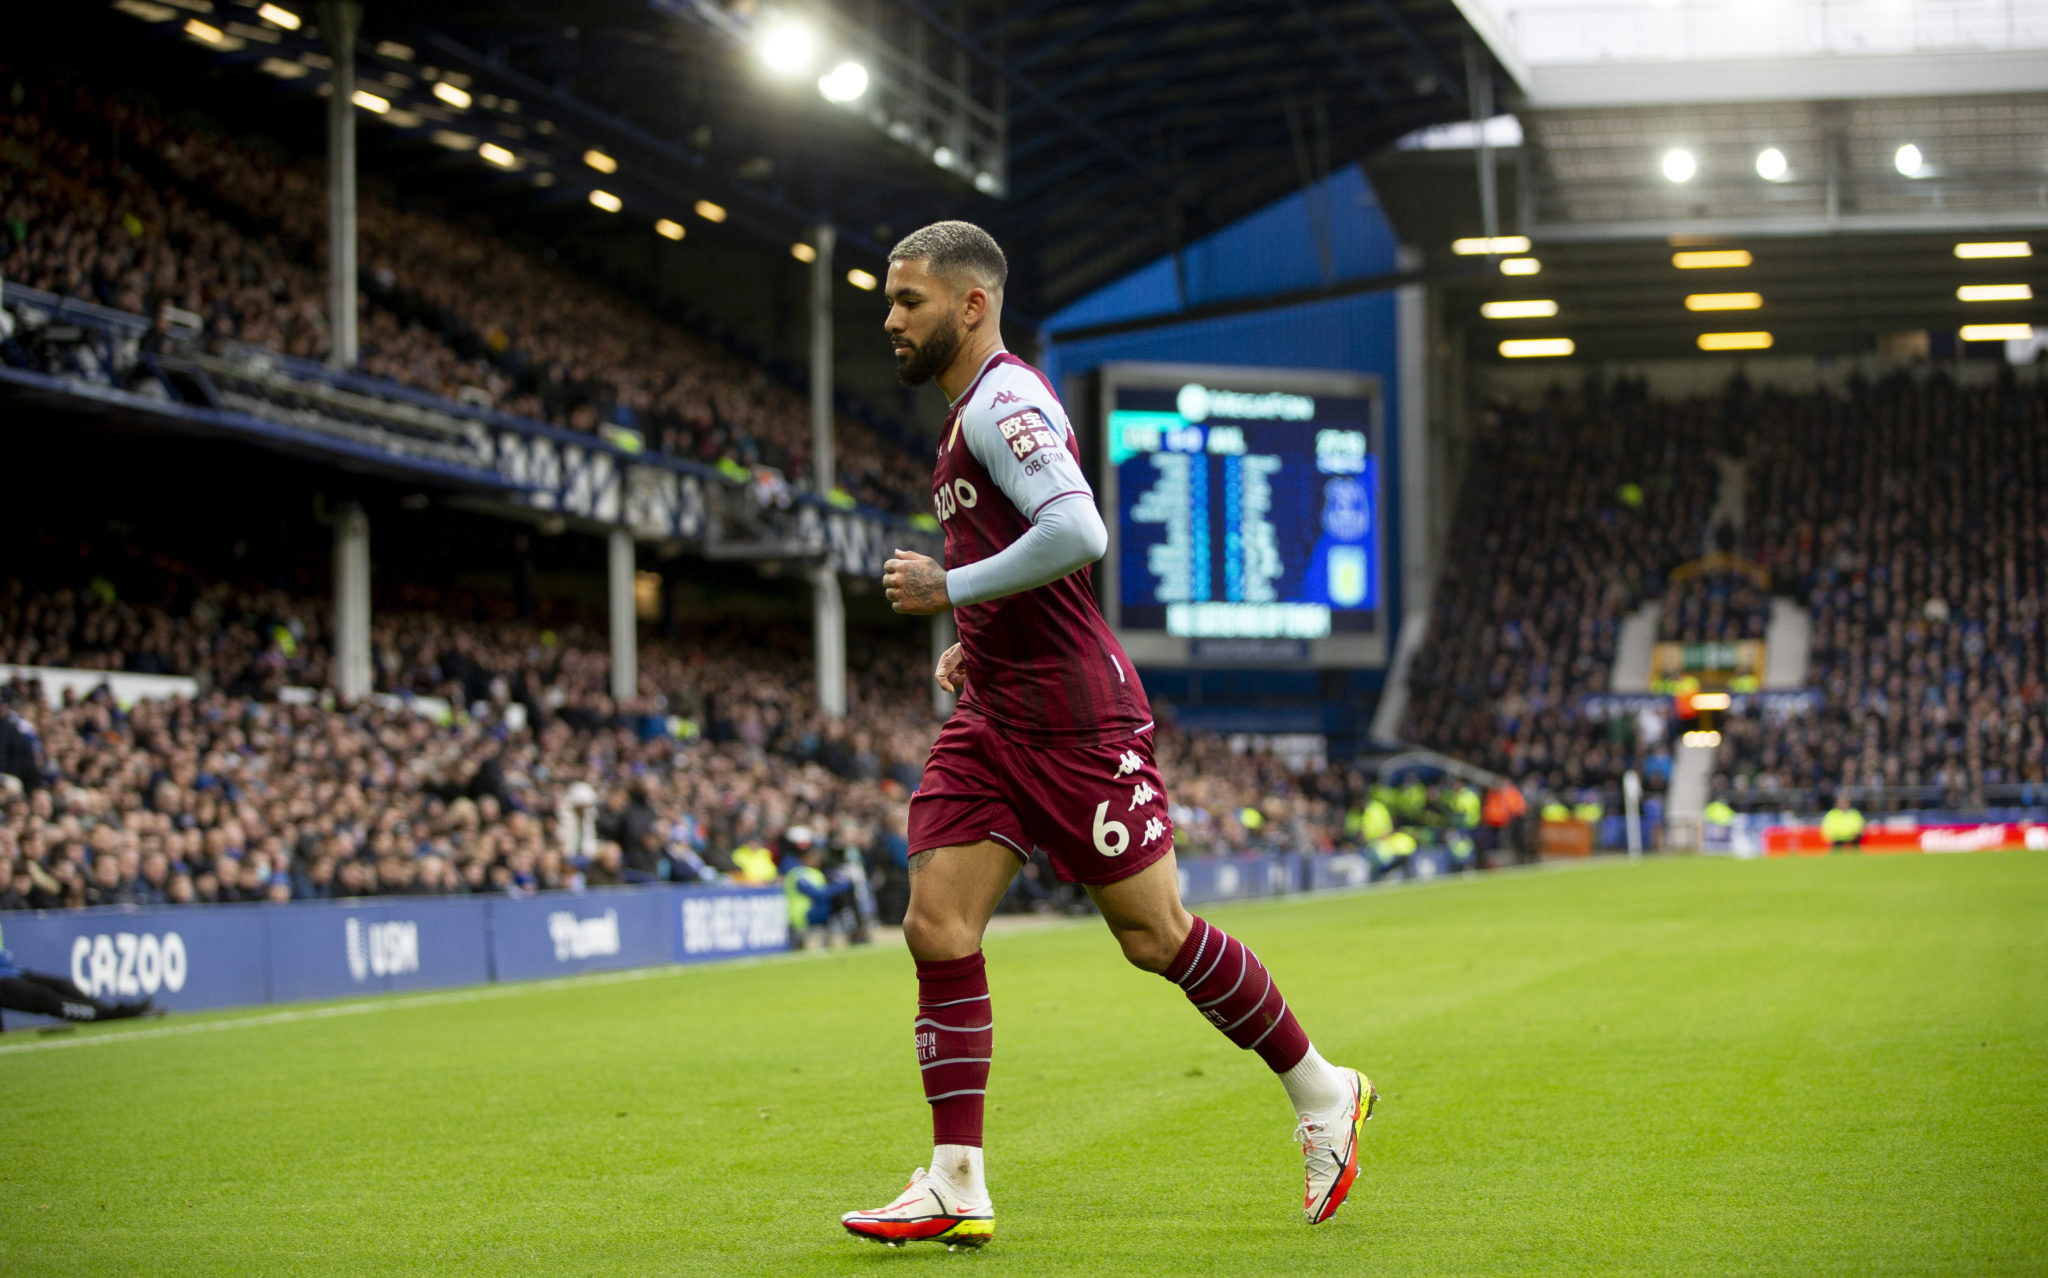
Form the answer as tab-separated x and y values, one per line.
2009	248
803	252
710	212
1479	244
278	17
1735	341
861	279
205	32
497	155
370	102
1997	332
457	98
786	45
1770	164
1534	347
607	201
1723	301
1679	166
1995	293
1543	309
1710	259
844	83
1907	160
598	160
1520	266
669	229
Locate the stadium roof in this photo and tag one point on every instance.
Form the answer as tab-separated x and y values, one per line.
1126	127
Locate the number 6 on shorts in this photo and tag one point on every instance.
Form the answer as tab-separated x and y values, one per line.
1111	837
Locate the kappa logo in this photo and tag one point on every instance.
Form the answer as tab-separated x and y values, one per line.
1129	763
1142	795
1004	397
1153	829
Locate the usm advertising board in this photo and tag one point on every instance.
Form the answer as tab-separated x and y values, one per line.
192	958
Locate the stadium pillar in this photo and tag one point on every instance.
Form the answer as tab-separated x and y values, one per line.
352	604
624	623
828	610
944	635
1418	539
340	19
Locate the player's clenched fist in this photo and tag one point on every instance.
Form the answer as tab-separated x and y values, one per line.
951	676
915	584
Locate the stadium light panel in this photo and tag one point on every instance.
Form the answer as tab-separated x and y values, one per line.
598	160
146	10
1908	160
370	102
607	201
395	51
787	46
942	156
710	212
844	83
669	229
1735	341
1770	164
1480	245
1707	740
277	16
1995	293
861	280
458	98
803	252
1542	309
497	155
282	69
1710	259
1723	301
1520	266
206	33
1679	166
1712	701
1536	347
452	140
2010	248
1997	332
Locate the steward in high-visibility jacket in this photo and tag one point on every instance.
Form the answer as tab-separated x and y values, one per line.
1555	810
1392	850
1369	824
1843	826
1718	813
1588	810
1465	803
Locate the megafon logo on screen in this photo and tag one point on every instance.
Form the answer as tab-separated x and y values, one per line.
1198	403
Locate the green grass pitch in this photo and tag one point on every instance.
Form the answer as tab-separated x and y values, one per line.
1684	1066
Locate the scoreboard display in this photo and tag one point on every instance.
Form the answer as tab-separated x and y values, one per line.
1244	509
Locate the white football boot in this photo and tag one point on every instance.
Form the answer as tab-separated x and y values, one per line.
1329	1148
926	1211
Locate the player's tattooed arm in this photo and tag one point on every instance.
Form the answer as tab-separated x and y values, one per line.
915	584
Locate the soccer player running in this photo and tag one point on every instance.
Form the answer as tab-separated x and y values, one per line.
1050	745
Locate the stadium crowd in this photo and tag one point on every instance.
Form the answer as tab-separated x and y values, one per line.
1909	517
106	201
493	758
1575	512
1905	514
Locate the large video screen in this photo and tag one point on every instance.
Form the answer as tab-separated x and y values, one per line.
1245	513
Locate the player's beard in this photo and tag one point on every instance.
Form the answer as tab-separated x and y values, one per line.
929	358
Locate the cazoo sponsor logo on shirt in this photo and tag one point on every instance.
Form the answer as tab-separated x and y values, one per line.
576	938
128	964
383	949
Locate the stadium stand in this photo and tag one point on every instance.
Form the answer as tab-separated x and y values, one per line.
1574	512
107	201
493	758
1905	514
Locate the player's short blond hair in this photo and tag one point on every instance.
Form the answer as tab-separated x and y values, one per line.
953	249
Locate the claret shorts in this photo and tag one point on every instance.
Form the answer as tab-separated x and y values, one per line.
1098	811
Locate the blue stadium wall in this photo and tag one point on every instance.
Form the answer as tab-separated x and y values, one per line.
1272	251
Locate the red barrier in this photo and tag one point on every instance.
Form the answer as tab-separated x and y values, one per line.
1988	836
